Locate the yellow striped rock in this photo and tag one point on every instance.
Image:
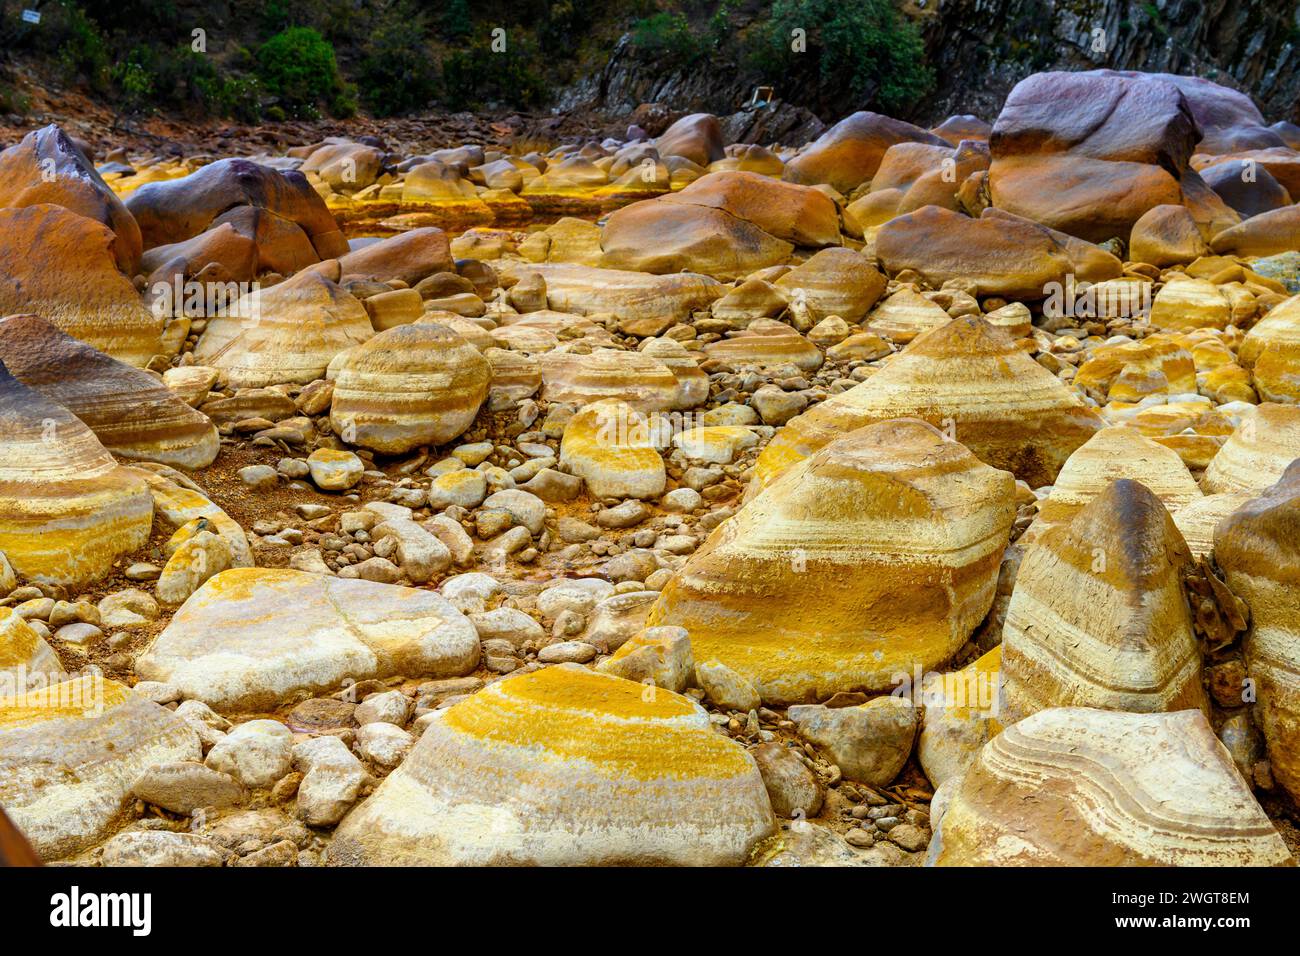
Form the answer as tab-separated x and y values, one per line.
834	282
1072	786
905	315
69	753
178	502
966	377
68	511
26	661
61	266
1197	520
1271	350
645	304
1258	548
609	445
877	554
412	385
1130	371
289	332
1257	452
515	376
250	638
641	381
1190	304
1115	452
715	443
1098	617
961	716
564	766
766	343
692	381
127	409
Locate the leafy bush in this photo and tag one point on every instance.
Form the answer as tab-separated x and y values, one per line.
477	76
297	65
396	73
667	37
136	85
861	49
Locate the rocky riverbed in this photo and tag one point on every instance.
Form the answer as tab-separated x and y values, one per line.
905	496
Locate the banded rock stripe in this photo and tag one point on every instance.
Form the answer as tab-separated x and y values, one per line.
1006	408
877	554
1258	548
1113	453
692	381
67	509
129	411
641	381
564	766
1072	786
287	333
1257	452
905	315
608	444
412	385
1098	616
69	753
250	638
1271	350
25	657
766	343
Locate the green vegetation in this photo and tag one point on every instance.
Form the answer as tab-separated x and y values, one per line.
396	74
860	47
297	66
668	38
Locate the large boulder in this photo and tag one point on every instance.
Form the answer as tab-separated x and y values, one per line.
849	153
409	256
68	511
129	411
289	332
660	236
251	638
564	766
238	246
62	267
968	378
48	167
178	209
878	554
1258	548
1257	452
69	753
697	137
418	384
1073	786
1089	152
1098	617
799	215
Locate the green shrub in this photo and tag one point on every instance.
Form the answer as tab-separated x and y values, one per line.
860	50
297	65
396	73
135	84
477	76
666	37
81	47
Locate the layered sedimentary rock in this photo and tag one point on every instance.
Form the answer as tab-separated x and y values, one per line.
181	208
1258	548
1271	350
62	266
412	385
289	332
833	282
962	711
967	377
69	753
233	646
1111	454
661	237
1098	617
608	444
409	256
646	304
1072	786
67	509
849	153
127	409
766	343
1257	452
633	377
905	315
559	767
1130	371
26	661
692	381
47	167
877	554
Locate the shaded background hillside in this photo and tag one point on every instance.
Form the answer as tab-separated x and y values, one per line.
918	60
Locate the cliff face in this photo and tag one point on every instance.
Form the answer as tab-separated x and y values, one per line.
980	49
